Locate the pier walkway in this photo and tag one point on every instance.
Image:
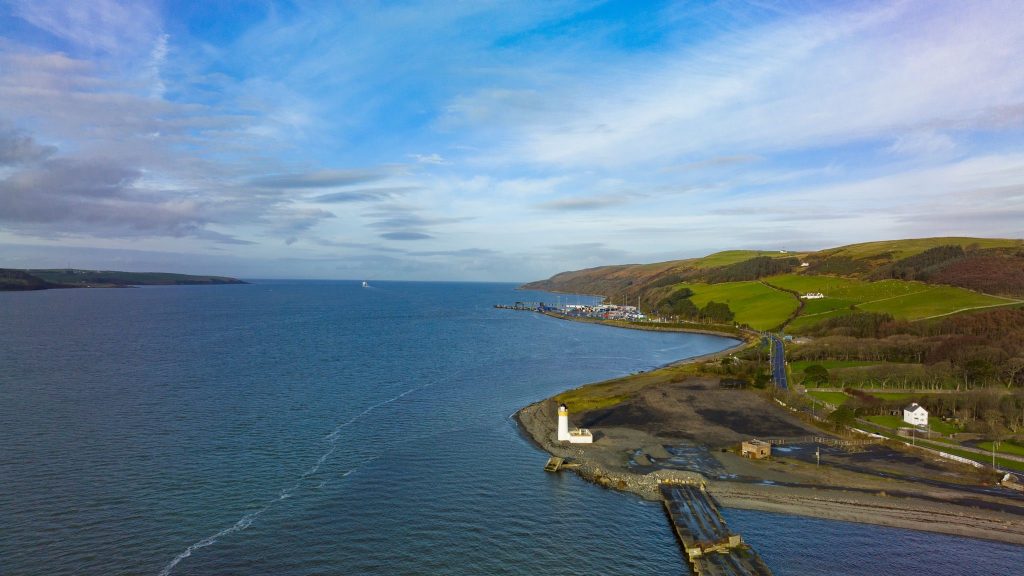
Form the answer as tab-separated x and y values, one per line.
710	548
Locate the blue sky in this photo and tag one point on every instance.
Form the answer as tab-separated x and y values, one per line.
498	140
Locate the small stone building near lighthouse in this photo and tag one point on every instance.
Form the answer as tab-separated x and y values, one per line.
574	436
757	449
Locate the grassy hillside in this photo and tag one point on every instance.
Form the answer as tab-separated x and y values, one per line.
733	257
754	303
901	299
627	281
912	279
759	305
899	249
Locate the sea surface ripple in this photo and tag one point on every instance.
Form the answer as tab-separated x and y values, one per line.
324	428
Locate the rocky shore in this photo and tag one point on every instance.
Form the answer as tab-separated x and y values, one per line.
787	487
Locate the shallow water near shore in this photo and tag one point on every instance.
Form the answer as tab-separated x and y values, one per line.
321	427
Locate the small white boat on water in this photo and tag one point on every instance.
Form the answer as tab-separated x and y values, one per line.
366	284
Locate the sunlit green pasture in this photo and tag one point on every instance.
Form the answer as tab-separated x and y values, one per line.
934	301
902	299
753	303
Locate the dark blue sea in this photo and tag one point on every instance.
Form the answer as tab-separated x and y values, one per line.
288	428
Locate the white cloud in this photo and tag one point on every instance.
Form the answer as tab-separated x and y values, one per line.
428	158
740	127
156	60
108	26
829	79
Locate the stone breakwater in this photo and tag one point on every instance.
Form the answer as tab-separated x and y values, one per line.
706	542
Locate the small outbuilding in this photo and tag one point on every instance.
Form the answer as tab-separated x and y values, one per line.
756	449
915	415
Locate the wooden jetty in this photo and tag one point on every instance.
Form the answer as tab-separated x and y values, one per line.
710	548
554	464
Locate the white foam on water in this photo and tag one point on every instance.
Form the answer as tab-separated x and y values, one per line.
286	493
246	521
333	436
242	524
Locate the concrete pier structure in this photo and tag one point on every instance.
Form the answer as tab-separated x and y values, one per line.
710	548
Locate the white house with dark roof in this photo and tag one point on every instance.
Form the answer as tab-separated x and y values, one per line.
915	415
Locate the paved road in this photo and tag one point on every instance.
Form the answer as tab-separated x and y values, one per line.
778	362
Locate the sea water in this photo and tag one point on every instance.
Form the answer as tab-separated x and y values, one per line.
325	428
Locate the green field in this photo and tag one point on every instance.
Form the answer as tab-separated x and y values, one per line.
1001	462
753	303
887	421
1005	447
935	301
798	367
942	427
833	398
902	299
897	422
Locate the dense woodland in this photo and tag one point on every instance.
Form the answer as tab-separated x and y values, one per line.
753	269
989	411
678	306
977	349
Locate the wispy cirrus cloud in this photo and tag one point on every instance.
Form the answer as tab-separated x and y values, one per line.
406	235
582	203
365	194
807	81
98	25
318	179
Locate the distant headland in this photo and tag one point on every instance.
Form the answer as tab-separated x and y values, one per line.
12	279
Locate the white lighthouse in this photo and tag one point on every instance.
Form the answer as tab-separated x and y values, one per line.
577	435
563	422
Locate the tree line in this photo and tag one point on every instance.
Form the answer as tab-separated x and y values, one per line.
976	349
